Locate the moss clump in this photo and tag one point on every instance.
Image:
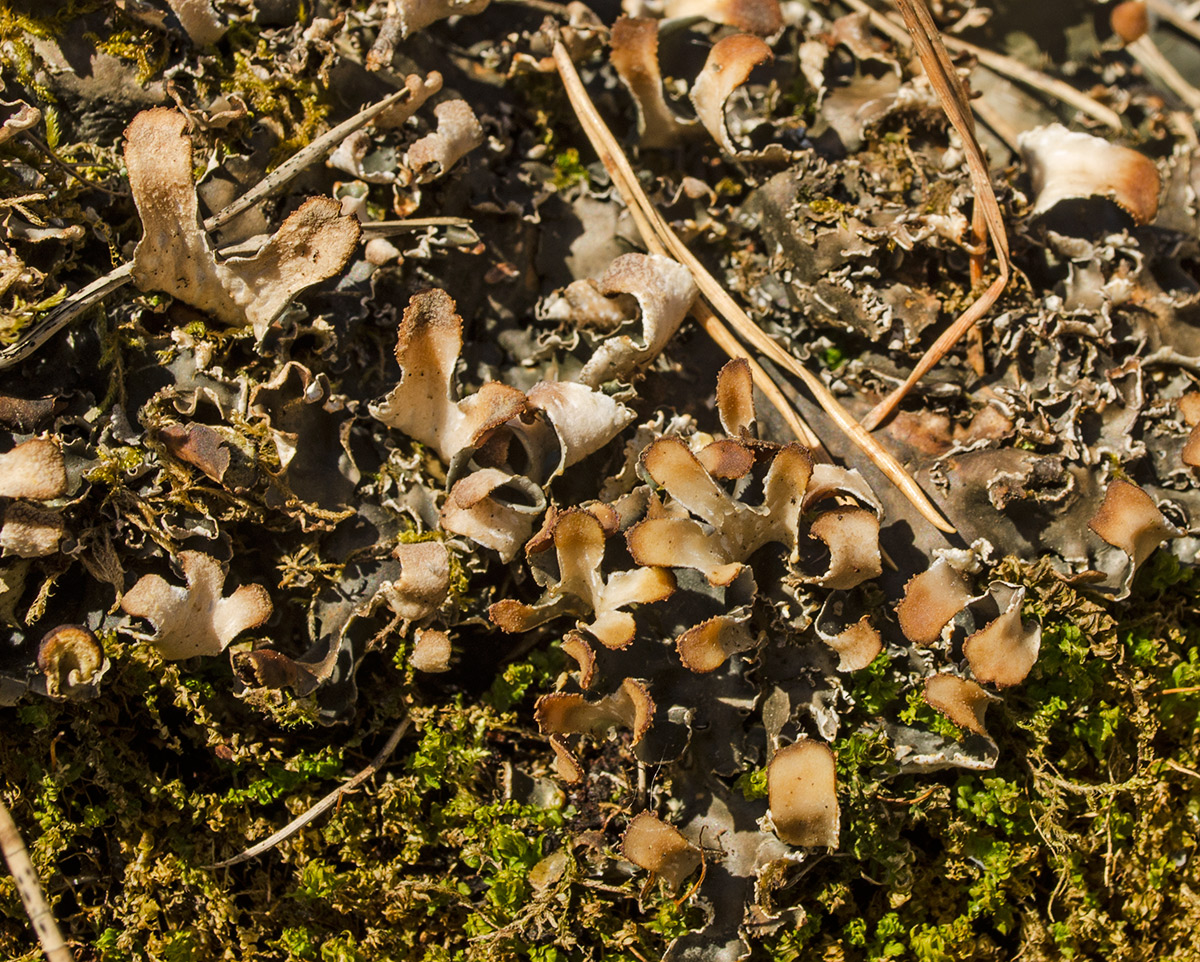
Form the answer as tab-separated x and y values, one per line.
1073	846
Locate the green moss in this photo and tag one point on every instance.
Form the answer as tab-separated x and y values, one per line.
568	170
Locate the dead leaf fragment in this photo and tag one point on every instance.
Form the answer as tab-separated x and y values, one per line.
196	620
198	445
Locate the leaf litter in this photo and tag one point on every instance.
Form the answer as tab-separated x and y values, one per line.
874	594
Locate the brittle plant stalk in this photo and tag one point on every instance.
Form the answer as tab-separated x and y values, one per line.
661	239
955	100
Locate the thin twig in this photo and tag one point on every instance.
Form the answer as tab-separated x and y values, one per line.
660	238
955	100
30	889
1145	51
1171	763
1171	14
1002	65
322	806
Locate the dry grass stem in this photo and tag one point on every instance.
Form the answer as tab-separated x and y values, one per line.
30	890
326	803
1175	17
1002	65
660	238
955	100
1145	51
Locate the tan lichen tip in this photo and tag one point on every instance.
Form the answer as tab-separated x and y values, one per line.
33	469
567	713
174	255
707	646
424	404
735	398
30	531
495	509
417	14
931	599
729	65
802	793
1130	20
431	651
1129	519
566	765
72	660
1190	455
852	536
857	645
576	646
196	620
458	133
424	580
1005	651
962	701
659	848
1065	164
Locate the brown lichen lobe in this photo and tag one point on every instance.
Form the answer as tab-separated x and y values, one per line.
931	599
802	789
1065	164
33	469
962	701
175	255
660	848
196	620
1130	520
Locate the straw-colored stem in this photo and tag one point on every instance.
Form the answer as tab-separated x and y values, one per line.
29	887
1146	52
1000	64
660	238
1170	13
